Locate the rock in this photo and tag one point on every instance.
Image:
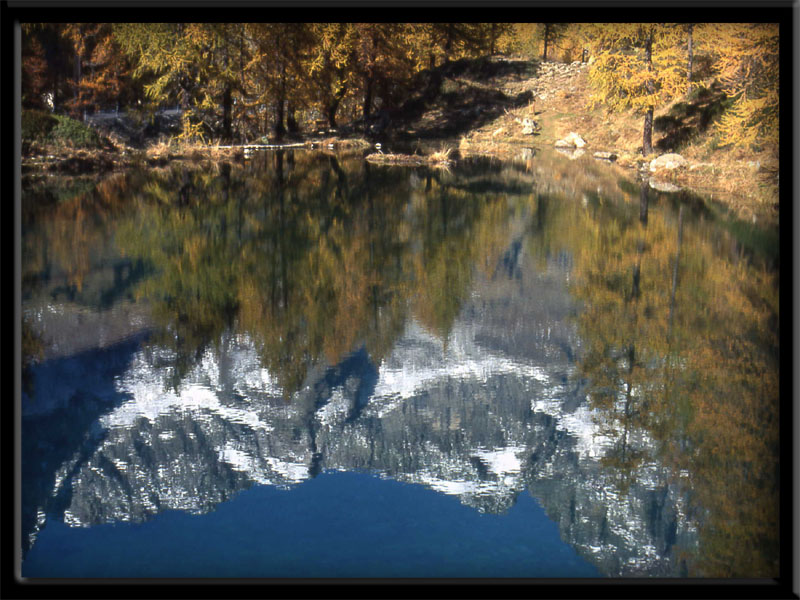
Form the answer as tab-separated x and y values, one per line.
575	140
754	164
663	186
572	140
528	153
571	153
668	161
605	155
700	165
528	126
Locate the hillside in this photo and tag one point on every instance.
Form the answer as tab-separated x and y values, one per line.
482	107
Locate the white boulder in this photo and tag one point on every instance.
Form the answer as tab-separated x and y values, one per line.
668	161
572	140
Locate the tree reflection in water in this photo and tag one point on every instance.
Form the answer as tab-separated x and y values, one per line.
332	276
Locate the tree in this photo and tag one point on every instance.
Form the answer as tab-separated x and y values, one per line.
45	66
381	60
748	65
35	73
690	55
636	66
190	63
551	33
330	65
274	72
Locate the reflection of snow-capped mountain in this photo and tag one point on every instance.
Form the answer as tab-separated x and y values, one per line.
466	416
420	360
202	393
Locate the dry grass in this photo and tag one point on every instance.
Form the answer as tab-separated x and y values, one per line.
728	175
441	156
159	149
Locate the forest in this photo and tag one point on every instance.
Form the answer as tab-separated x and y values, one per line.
236	82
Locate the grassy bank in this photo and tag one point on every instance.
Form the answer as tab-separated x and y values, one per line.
746	179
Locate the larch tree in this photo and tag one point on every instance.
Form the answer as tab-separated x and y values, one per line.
106	79
274	71
637	66
748	65
551	34
47	73
330	65
381	57
189	63
36	76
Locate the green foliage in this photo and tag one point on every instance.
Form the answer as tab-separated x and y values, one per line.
715	143
70	132
36	125
43	127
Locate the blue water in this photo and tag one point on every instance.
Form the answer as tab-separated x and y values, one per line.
335	525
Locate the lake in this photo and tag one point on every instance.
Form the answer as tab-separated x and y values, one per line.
306	365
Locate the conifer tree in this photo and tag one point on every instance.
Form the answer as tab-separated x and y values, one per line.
748	65
551	34
636	66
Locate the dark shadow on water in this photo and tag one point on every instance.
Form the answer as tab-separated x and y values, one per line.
81	389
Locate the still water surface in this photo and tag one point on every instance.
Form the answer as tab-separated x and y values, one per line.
310	366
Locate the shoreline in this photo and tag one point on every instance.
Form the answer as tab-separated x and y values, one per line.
699	178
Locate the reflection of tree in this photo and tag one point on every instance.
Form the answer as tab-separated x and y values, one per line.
681	348
443	267
31	351
312	258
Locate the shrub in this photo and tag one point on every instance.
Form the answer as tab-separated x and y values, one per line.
74	133
36	125
40	126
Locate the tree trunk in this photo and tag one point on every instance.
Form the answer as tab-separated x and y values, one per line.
227	105
449	42
279	129
331	109
647	135
76	89
690	61
546	36
56	98
367	106
291	120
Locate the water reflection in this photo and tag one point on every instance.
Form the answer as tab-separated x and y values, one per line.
535	328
